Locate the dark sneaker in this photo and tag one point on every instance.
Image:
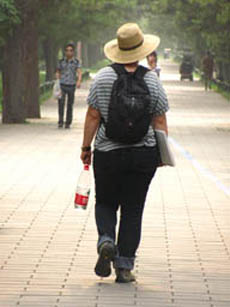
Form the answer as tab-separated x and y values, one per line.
124	276
67	126
60	125
106	255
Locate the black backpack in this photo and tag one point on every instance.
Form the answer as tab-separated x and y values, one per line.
129	115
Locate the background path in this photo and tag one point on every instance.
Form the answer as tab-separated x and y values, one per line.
47	249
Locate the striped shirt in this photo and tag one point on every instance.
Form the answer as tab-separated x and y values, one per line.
99	99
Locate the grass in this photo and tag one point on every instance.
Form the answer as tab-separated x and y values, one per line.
219	90
215	87
42	76
45	96
196	75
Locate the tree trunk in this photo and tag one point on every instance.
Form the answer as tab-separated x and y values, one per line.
94	54
20	68
31	64
91	54
50	56
55	58
85	57
1	58
14	110
79	51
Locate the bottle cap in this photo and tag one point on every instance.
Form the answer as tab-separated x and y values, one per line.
86	167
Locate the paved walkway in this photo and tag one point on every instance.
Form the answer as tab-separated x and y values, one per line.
47	249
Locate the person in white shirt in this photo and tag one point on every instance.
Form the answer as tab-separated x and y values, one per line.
152	63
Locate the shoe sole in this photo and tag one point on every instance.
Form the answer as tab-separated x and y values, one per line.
124	281
103	266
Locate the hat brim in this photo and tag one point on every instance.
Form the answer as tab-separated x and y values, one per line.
115	54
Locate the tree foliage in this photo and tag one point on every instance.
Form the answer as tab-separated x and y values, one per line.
9	16
200	25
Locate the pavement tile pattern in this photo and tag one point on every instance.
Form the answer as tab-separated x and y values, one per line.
48	248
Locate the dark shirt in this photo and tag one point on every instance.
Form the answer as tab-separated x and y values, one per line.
208	65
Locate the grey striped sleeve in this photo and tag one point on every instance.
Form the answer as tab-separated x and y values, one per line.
92	98
160	102
162	105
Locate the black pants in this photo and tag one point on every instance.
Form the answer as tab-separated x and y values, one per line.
207	81
122	178
67	90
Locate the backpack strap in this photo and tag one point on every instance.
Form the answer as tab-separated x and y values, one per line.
141	71
119	68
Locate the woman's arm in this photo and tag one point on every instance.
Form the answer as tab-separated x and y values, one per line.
92	121
160	122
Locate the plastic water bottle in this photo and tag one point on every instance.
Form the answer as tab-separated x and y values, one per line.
83	189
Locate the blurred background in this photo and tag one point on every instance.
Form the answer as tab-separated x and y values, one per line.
33	34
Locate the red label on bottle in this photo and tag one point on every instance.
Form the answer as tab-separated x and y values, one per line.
81	200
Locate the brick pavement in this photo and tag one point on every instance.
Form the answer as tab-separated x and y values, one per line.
47	249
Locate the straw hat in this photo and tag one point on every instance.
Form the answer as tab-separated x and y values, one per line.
131	45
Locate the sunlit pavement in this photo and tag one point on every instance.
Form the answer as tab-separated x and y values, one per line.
47	248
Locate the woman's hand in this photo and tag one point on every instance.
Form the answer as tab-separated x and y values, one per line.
86	157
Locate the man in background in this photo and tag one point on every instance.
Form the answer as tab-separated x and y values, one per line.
208	68
69	73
